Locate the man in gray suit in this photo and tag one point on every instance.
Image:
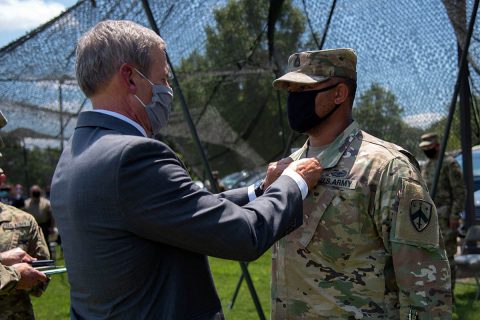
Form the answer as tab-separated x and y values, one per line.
136	230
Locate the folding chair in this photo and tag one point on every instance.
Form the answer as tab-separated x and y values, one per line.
468	263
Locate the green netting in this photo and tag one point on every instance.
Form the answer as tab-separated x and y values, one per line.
225	67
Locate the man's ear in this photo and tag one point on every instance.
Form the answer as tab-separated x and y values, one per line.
126	75
341	93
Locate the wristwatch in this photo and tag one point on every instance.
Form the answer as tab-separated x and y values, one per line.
259	187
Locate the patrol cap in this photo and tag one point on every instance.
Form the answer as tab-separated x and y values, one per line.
3	123
428	140
311	67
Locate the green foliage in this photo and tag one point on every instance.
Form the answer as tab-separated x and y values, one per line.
454	139
28	166
378	113
466	306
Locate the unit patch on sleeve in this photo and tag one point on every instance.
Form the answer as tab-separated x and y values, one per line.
420	214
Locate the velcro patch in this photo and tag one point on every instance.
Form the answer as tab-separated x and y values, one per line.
338	182
420	214
416	220
8	226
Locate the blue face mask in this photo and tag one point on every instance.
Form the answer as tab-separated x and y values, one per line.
158	110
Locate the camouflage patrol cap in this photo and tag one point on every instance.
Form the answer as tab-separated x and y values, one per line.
428	140
311	67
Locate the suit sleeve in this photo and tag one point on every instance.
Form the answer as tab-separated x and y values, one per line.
408	224
161	203
8	279
238	196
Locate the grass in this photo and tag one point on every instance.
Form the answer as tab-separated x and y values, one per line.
54	303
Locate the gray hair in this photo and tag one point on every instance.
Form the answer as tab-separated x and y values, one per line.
104	48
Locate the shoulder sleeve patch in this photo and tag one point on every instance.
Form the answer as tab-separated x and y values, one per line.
416	222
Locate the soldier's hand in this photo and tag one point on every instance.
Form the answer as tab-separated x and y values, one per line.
29	277
309	169
274	171
13	256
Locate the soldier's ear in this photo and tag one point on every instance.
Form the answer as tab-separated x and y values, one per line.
341	93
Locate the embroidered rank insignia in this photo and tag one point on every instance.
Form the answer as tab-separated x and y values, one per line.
420	214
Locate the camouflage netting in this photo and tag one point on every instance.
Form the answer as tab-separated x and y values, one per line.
225	64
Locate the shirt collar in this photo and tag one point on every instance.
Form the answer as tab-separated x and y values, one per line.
122	117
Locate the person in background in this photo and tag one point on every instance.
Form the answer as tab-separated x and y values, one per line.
5	193
39	207
450	194
18	197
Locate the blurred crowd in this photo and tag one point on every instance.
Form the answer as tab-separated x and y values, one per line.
37	203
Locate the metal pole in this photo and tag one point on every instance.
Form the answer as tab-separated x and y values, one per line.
327	26
188	118
462	67
60	106
235	292
466	134
25	163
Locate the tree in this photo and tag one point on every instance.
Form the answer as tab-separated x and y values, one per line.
379	114
28	166
236	48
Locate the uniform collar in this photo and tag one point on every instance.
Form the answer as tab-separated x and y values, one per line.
5	216
333	153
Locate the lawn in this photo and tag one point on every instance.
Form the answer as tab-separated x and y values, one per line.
54	304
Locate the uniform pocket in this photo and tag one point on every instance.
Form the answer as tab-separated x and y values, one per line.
314	207
338	227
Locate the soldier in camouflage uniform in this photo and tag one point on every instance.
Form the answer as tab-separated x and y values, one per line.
19	229
370	245
450	194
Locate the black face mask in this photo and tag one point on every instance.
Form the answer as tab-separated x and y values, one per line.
301	109
430	153
35	194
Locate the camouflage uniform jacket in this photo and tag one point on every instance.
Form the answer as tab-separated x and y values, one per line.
369	246
19	229
449	198
8	279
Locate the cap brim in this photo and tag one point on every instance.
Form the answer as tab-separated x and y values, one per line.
426	145
296	77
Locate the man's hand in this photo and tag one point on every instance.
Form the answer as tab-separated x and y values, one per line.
29	277
274	171
309	169
13	256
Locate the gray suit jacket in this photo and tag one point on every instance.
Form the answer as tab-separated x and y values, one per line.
136	231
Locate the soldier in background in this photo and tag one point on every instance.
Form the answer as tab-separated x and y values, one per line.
19	231
39	207
450	194
370	245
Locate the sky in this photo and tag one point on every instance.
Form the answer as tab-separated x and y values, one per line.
18	17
